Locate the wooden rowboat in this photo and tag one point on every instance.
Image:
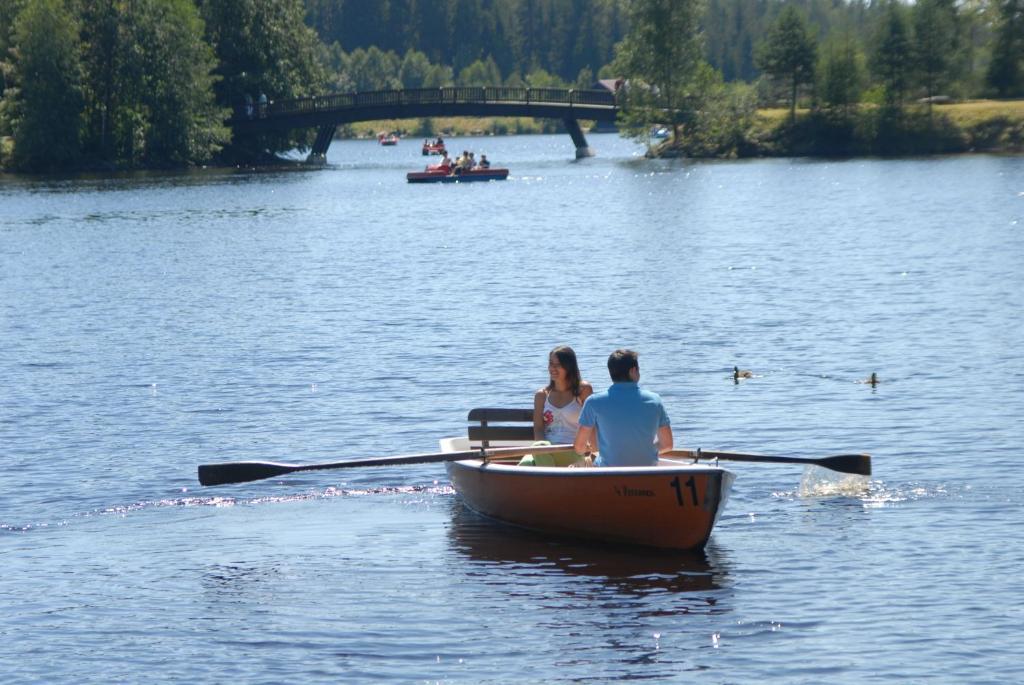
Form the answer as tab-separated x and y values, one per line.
467	176
673	505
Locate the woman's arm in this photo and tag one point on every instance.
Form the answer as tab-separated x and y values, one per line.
538	414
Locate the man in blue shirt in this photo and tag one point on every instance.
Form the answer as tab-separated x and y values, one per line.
627	419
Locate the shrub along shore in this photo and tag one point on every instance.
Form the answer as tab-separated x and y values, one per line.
975	126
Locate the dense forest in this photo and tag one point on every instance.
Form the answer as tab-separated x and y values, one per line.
145	83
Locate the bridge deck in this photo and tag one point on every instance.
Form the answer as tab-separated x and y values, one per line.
326	112
341	108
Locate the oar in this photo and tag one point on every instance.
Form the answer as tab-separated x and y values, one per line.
859	464
244	471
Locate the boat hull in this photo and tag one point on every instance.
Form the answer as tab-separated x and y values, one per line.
465	177
674	505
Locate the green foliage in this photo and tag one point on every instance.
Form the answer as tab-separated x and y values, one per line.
45	105
561	36
263	47
934	33
585	79
788	52
414	70
720	127
183	123
1006	70
840	73
661	59
480	73
539	78
891	57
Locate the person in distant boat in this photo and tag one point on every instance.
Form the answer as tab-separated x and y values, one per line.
631	423
484	163
556	406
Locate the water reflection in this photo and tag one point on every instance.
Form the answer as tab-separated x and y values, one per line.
631	571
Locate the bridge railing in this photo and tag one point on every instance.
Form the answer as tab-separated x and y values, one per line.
447	95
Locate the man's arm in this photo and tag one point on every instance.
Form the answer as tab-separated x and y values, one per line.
584	438
664	439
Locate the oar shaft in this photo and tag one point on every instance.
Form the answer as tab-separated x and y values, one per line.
244	471
859	464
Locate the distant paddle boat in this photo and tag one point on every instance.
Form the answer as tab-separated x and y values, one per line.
387	138
439	174
434	148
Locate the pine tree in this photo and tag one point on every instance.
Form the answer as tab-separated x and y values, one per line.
1006	71
891	60
788	53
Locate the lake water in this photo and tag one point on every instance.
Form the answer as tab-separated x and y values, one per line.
153	322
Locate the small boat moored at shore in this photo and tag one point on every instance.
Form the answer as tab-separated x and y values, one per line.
444	175
673	505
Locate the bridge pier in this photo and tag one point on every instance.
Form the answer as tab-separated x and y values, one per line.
576	133
324	136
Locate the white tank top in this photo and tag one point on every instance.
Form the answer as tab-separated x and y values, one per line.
561	428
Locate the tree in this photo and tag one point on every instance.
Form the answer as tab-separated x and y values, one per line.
184	123
480	73
9	9
373	69
263	47
660	57
1006	71
891	59
934	33
788	53
46	102
414	70
841	73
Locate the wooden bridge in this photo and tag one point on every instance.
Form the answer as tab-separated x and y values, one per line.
327	112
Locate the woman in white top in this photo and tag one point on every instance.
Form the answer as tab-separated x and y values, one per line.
556	407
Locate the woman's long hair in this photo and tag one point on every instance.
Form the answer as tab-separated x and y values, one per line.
567	358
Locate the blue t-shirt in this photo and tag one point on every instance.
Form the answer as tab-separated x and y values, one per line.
627	419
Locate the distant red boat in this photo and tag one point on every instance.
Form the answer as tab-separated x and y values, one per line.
387	139
433	149
443	175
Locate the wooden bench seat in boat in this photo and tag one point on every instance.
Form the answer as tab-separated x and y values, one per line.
512	426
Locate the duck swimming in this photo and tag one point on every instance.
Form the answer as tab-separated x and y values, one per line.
737	373
872	380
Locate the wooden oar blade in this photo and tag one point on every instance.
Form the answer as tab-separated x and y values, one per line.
859	464
241	471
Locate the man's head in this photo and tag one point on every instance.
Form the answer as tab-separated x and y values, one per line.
620	363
